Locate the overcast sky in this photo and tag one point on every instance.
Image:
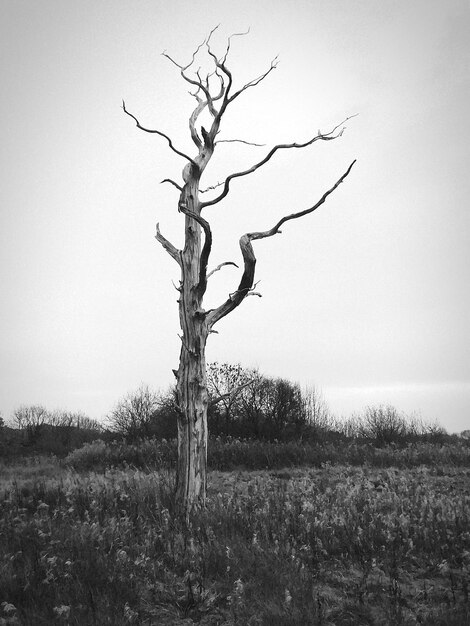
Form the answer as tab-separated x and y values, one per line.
368	298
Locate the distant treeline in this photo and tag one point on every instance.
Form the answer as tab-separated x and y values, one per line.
35	430
243	404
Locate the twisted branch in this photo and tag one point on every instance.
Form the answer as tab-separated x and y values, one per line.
275	229
157	132
248	143
172	182
286	146
249	259
169	247
220	266
255	81
206	249
230	394
198	83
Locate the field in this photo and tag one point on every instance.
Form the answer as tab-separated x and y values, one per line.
332	545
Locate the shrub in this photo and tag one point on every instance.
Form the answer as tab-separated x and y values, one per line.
253	405
132	415
145	454
385	425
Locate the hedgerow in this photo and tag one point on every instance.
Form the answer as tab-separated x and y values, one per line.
229	453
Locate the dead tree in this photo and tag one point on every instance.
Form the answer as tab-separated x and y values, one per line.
214	92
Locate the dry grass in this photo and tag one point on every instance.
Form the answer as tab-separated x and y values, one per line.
334	546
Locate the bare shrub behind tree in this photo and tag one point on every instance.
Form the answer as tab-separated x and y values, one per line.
132	415
285	416
321	423
244	403
383	425
435	433
225	384
164	418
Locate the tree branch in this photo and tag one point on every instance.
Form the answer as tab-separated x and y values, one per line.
172	182
222	86
323	137
248	143
157	132
249	259
169	247
185	67
231	394
229	41
192	120
220	65
206	249
220	266
198	83
251	292
246	282
210	188
275	229
202	104
255	81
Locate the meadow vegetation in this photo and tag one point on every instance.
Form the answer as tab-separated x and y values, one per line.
364	523
331	545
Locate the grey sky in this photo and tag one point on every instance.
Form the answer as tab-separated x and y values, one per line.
368	298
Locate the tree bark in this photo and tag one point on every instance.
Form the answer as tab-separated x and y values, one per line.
192	395
192	422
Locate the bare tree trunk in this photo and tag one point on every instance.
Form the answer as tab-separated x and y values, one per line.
192	402
192	425
192	394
